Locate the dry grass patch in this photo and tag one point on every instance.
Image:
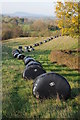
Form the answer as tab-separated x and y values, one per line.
65	58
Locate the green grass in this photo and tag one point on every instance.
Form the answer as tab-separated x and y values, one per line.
18	101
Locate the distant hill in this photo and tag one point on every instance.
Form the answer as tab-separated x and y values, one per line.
28	15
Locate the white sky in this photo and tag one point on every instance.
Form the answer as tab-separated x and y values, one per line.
38	0
44	8
28	0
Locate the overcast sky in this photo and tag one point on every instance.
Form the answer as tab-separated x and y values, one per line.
43	8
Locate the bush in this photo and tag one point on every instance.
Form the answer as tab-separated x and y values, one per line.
17	31
9	31
35	34
7	34
65	57
25	34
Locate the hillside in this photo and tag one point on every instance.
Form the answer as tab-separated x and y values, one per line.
64	42
18	101
29	15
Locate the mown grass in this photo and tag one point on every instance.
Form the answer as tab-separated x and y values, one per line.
18	101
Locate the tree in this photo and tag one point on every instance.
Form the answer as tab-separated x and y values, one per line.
17	31
38	25
67	14
6	31
9	31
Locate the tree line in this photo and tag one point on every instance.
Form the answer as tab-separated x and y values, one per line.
13	27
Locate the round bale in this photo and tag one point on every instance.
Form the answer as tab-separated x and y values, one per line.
20	47
51	85
26	47
32	72
34	45
34	63
20	57
32	49
15	51
15	55
41	43
37	44
27	60
45	41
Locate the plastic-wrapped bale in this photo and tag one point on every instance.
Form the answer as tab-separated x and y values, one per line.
20	57
30	46
41	43
34	45
15	55
20	49
32	49
27	57
26	47
37	44
45	41
28	50
51	85
15	51
27	60
32	72
34	63
49	39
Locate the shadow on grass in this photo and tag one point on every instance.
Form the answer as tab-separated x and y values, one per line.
55	70
71	70
71	74
74	75
37	53
75	92
17	104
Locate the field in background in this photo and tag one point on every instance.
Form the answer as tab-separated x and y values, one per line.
18	101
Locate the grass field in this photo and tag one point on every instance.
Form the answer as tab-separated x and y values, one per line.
18	101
